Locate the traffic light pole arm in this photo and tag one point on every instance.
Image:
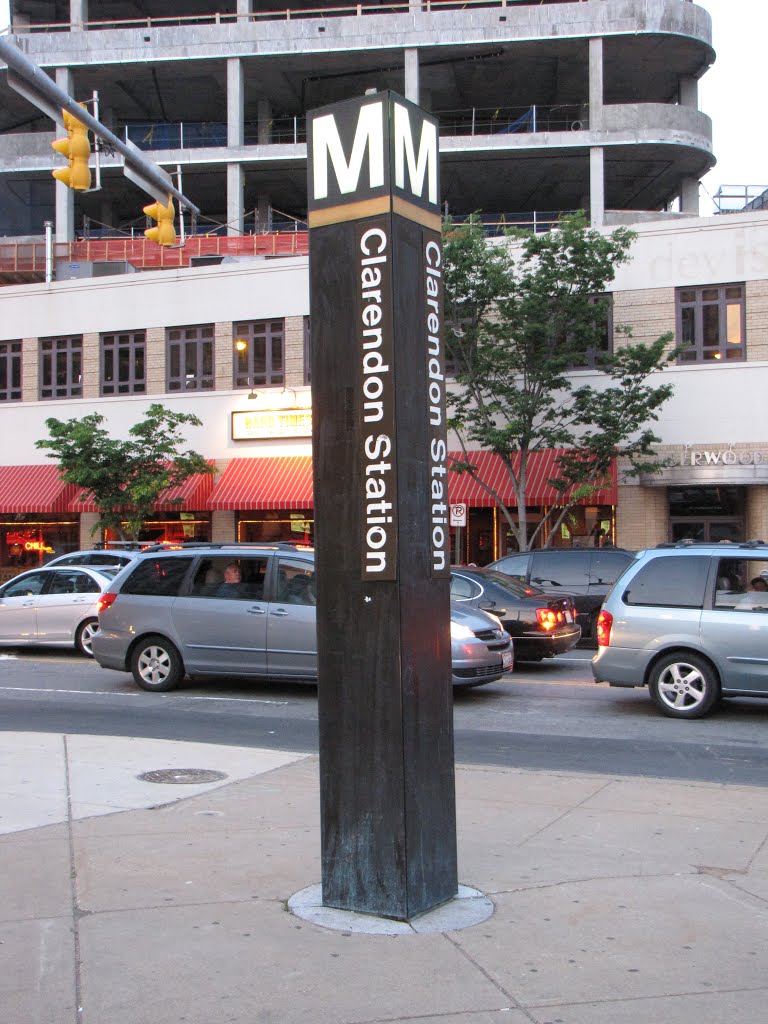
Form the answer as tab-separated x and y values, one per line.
46	95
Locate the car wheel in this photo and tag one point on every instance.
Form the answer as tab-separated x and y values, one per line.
84	636
684	686
156	664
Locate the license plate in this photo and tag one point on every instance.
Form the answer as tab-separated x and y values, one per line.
569	616
506	659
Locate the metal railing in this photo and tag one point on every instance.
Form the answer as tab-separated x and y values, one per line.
26	261
282	129
280	14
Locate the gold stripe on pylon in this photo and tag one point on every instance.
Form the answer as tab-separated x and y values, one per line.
410	211
349	211
374	208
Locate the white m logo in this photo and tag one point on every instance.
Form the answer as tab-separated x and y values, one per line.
426	165
326	144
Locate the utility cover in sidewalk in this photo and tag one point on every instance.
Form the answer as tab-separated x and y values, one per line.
182	776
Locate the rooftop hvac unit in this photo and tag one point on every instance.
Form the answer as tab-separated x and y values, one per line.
75	271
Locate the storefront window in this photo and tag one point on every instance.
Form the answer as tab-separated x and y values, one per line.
172	528
710	514
27	541
295	527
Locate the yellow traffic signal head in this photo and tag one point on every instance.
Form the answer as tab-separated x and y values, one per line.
77	149
164	233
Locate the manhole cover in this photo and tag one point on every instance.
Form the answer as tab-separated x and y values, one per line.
182	776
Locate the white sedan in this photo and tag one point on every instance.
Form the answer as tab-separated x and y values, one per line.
53	607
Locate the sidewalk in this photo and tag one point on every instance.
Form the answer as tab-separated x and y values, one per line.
617	901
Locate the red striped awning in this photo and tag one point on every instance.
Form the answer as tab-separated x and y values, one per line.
286	483
265	483
542	466
34	489
194	493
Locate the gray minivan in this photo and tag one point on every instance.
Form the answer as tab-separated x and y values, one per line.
690	622
245	611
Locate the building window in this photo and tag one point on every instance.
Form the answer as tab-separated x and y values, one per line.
260	353
61	367
10	371
590	358
711	323
190	358
123	363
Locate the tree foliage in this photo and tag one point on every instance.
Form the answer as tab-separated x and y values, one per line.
124	477
519	319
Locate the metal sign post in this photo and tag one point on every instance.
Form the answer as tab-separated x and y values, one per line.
381	509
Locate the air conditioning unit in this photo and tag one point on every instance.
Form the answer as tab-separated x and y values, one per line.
75	271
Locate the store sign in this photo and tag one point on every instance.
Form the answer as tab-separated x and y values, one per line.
721	457
711	466
266	423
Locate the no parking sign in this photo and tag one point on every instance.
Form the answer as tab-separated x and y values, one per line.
458	515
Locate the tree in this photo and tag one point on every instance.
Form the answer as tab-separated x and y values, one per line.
519	318
124	477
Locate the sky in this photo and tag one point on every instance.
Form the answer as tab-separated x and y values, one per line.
732	92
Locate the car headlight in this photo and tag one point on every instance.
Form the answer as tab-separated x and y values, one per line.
459	632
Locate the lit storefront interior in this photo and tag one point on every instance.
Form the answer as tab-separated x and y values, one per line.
272	501
181	515
486	537
271	498
35	521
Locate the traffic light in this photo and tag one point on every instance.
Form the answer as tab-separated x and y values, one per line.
164	233
77	149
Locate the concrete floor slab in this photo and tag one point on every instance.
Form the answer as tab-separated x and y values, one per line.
33	781
37	978
104	772
35	874
620	939
178	868
708	1008
256	962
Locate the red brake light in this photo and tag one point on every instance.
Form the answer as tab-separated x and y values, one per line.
105	601
547	618
604	624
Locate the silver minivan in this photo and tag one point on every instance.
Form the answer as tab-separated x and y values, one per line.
690	622
245	611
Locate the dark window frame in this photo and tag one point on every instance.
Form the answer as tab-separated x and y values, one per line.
10	371
593	355
190	346
134	344
691	305
261	364
61	367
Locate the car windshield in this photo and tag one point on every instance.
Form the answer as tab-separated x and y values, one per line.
513	583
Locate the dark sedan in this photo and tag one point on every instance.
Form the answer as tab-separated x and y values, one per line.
540	624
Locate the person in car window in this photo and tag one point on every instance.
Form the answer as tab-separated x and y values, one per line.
232	580
758	584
